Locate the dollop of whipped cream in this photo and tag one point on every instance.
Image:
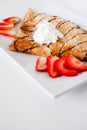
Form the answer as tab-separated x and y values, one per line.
46	32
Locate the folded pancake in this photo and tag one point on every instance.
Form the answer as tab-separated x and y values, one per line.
74	39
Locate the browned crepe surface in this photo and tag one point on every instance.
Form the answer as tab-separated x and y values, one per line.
74	41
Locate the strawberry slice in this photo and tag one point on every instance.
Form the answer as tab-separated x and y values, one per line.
6	26
74	63
3	23
41	64
50	66
12	20
60	66
10	33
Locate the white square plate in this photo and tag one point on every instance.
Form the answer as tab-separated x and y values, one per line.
53	87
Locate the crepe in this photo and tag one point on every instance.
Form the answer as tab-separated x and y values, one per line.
74	39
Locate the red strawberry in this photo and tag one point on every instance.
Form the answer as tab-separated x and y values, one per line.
41	64
74	63
12	20
6	26
3	23
50	66
10	33
60	66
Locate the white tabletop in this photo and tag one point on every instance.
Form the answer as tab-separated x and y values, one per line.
24	106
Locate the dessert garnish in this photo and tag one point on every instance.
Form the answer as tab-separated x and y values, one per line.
7	26
56	67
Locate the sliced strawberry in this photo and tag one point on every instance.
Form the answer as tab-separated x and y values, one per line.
5	26
60	66
12	20
10	33
41	64
76	64
3	23
50	66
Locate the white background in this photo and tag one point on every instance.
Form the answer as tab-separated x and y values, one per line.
24	106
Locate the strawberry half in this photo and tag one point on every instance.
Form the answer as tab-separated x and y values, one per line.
50	66
12	20
3	23
74	63
6	26
60	66
41	64
10	33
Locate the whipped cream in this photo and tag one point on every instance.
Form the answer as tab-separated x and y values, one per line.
46	32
